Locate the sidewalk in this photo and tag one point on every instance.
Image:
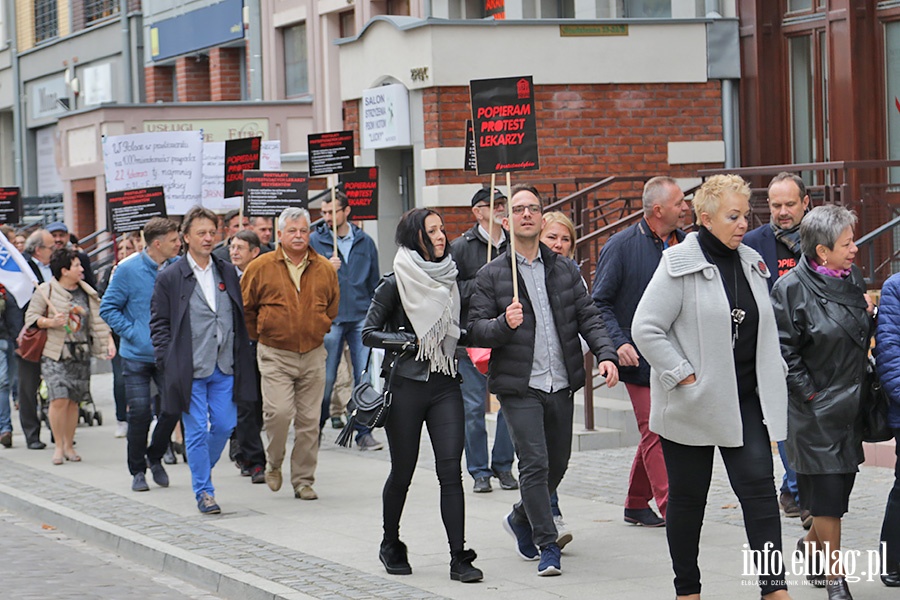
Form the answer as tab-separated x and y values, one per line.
270	545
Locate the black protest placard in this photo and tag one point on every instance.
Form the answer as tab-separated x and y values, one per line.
330	153
471	163
505	125
129	210
240	155
361	188
10	205
267	193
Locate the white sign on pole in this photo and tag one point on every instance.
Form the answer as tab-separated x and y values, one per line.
385	118
172	160
214	173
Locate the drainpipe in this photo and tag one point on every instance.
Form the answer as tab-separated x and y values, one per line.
712	6
17	101
730	129
254	46
126	52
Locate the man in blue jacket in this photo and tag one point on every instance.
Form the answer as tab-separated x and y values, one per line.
626	265
356	264
126	309
778	242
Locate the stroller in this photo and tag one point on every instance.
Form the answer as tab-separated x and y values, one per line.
87	410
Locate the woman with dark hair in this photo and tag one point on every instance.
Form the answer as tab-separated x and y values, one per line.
414	317
74	332
825	326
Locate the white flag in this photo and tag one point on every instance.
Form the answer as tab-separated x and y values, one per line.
15	274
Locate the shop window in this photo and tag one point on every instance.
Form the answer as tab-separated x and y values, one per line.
296	61
96	10
648	9
45	21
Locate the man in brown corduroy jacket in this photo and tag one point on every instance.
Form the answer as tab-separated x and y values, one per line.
291	296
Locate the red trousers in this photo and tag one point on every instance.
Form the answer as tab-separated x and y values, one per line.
648	477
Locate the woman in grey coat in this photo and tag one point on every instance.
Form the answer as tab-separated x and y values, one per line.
825	324
706	326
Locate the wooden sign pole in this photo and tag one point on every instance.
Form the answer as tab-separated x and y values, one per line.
491	222
334	213
512	240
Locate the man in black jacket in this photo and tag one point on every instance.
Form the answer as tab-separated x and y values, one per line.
60	234
470	253
537	334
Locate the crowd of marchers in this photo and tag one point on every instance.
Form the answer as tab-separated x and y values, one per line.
766	333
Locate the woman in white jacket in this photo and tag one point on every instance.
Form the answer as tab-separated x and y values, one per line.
706	326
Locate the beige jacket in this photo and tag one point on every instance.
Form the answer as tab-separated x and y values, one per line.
61	299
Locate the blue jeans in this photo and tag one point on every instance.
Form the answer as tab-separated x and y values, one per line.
351	332
5	420
136	377
789	481
208	426
474	392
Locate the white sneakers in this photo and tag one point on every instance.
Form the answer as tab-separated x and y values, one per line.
121	429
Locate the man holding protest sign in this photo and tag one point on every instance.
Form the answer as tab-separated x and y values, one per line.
356	263
126	309
470	251
536	333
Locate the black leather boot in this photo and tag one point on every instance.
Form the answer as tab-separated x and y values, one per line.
892	577
393	556
838	589
461	567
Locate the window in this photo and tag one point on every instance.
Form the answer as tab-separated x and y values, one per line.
802	125
45	24
95	10
799	5
348	24
648	9
296	62
892	85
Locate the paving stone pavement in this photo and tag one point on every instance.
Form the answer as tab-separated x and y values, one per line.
305	573
41	562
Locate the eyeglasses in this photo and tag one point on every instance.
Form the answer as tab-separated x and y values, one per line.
534	209
497	205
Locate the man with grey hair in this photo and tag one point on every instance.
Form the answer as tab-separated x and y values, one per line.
291	297
625	266
38	248
778	242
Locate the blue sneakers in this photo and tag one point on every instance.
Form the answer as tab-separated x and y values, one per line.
524	541
549	564
207	504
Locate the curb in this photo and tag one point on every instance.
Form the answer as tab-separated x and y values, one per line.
211	575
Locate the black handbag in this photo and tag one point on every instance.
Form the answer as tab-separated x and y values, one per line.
367	406
873	408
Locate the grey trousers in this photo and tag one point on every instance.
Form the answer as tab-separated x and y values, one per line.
540	425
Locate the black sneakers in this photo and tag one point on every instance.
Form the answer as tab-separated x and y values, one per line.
160	477
462	569
139	483
392	555
644	517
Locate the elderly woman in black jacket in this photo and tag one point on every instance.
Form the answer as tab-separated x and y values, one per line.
824	323
414	316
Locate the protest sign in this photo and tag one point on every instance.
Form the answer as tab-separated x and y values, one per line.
505	126
10	205
330	153
172	159
214	173
267	193
240	155
129	210
361	188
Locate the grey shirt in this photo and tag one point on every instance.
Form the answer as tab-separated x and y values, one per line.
548	369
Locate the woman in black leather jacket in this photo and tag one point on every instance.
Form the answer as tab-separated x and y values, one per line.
414	317
824	324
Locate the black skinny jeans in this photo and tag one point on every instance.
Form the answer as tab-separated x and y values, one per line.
890	529
438	404
750	473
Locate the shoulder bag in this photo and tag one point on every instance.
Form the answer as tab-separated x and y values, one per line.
367	406
873	407
31	340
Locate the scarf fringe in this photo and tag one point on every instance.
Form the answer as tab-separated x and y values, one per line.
431	346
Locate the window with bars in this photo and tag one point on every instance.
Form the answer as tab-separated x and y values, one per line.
45	20
95	10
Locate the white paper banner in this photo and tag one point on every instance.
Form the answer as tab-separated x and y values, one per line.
171	159
214	173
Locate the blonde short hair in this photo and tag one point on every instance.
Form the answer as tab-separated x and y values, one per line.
708	199
556	216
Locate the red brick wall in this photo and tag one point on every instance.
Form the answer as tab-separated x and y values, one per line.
225	74
457	219
351	121
192	79
591	130
158	84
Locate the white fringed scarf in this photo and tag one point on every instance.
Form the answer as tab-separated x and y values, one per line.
430	298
